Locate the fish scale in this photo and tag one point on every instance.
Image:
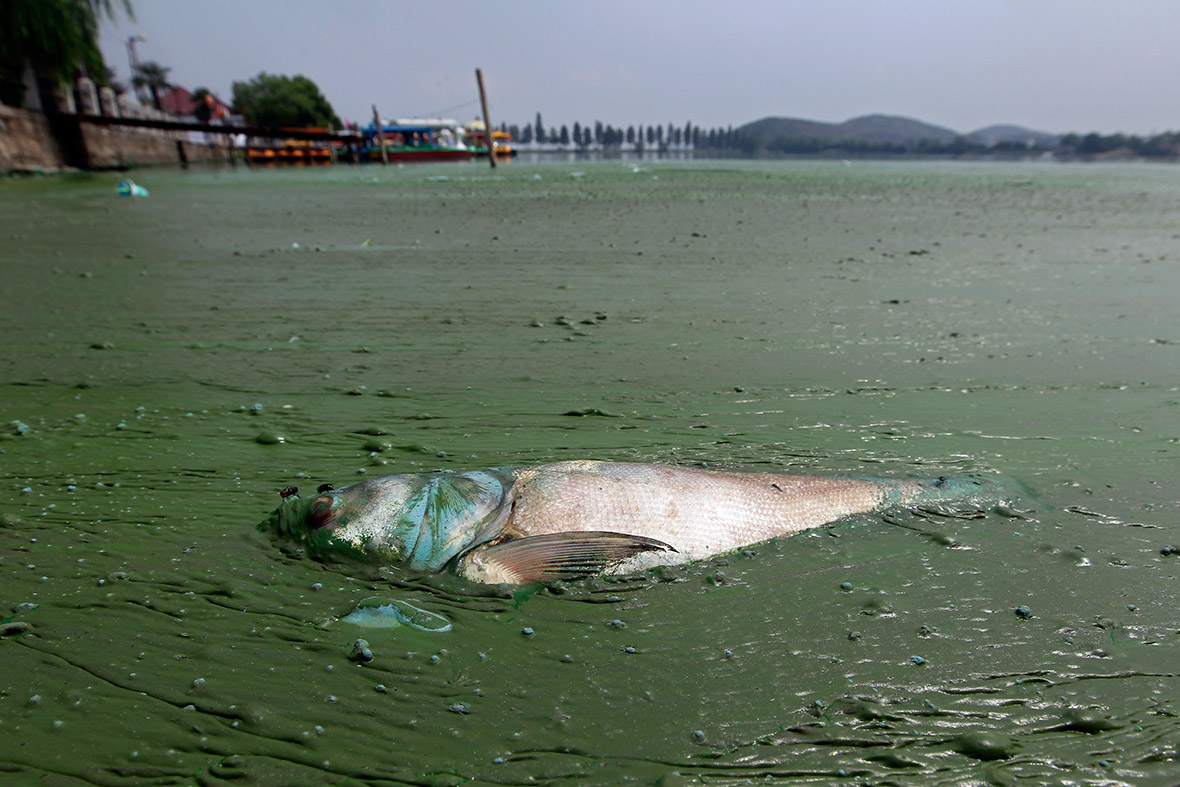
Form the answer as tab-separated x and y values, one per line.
699	513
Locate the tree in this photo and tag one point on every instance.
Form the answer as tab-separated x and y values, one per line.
539	129
154	77
278	101
55	38
577	132
565	135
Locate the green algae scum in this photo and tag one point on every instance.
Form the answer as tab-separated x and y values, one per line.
170	363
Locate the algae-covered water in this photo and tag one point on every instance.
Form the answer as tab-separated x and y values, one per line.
170	363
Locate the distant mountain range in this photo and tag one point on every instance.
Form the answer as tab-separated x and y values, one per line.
887	129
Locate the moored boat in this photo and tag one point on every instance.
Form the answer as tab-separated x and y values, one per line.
416	139
478	138
291	151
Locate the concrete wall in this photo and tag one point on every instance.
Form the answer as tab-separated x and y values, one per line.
27	143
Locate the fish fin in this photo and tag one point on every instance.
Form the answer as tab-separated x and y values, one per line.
569	555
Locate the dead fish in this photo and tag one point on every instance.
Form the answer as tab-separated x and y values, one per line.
567	520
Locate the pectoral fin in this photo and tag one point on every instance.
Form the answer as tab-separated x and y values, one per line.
567	555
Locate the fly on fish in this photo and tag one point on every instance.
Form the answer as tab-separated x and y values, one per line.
568	520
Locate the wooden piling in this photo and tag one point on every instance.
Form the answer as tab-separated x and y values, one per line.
380	135
487	121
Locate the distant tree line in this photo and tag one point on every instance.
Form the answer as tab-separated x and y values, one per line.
1166	144
727	140
1089	145
604	135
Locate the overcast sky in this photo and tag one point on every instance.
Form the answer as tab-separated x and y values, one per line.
1051	65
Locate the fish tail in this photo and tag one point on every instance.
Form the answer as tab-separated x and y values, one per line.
972	488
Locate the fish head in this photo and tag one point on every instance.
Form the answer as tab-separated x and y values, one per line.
420	521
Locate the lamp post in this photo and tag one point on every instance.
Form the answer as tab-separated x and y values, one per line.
133	58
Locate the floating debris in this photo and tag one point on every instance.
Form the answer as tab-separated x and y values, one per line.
376	612
588	412
129	188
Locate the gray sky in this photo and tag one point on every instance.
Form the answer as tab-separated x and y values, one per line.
1051	65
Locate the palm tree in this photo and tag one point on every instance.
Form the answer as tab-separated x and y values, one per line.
154	77
53	39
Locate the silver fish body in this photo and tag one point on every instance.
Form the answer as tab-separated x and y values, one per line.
570	519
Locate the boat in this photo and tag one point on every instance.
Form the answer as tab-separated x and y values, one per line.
416	139
291	151
478	138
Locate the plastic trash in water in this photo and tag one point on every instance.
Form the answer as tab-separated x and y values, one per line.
129	188
376	612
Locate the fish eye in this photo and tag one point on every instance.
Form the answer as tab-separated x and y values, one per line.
320	514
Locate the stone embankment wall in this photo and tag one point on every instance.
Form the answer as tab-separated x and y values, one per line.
112	146
27	143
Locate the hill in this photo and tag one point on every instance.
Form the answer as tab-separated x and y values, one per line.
874	129
994	135
887	130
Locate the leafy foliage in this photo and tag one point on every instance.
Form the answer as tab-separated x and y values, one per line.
277	101
55	37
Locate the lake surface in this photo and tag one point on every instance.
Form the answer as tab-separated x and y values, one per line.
170	363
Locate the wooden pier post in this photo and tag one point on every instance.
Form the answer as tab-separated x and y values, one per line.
487	121
380	135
